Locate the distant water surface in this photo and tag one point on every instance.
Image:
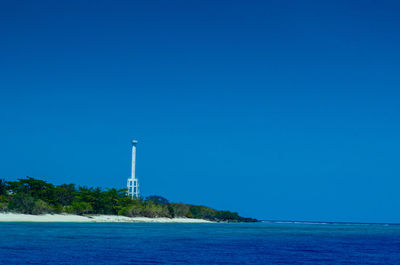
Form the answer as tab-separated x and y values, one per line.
154	243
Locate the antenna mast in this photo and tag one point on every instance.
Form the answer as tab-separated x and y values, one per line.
133	182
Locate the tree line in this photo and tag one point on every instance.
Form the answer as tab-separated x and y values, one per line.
33	196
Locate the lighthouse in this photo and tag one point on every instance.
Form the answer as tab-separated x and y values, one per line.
133	182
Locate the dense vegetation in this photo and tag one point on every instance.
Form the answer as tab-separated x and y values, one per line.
33	196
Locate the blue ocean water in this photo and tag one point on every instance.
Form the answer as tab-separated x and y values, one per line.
253	243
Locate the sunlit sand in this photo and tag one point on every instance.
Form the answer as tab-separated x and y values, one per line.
15	217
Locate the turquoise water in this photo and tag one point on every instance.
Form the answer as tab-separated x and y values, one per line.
255	243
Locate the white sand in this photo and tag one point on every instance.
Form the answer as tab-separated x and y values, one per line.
16	217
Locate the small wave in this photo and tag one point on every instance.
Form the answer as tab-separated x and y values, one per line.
327	223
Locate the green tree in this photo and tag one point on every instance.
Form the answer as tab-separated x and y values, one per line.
114	200
157	199
79	208
37	189
227	216
179	209
3	187
33	196
23	203
202	212
65	194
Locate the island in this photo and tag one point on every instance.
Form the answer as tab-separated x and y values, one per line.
30	199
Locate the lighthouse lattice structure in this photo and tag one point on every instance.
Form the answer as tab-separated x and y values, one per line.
133	182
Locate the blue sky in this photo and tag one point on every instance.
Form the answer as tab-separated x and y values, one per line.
275	109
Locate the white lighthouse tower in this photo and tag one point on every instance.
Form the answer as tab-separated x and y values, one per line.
133	182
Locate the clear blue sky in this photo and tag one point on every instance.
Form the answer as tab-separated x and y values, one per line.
275	109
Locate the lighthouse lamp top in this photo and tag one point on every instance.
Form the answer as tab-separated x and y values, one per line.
134	142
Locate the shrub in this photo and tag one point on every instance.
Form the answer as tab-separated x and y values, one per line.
58	208
22	203
68	209
227	216
26	204
132	210
202	212
3	198
146	209
180	209
32	196
41	207
155	210
81	207
3	207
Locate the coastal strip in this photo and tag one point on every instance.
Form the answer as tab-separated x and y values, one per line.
69	218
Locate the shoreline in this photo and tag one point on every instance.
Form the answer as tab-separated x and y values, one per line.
70	218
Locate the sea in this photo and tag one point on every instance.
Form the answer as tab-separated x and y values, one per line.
205	243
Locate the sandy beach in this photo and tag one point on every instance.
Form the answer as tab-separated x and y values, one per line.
49	218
